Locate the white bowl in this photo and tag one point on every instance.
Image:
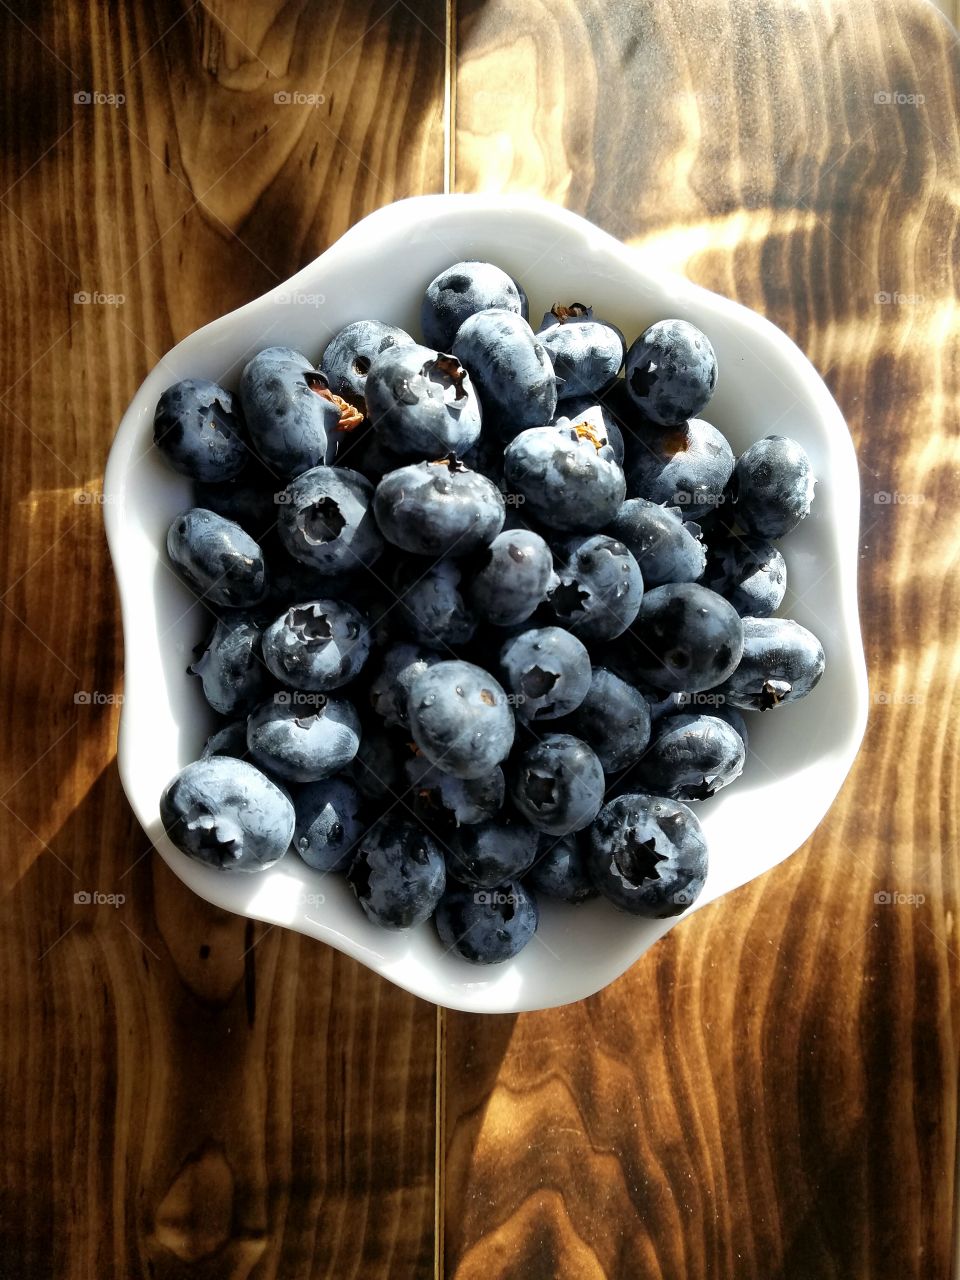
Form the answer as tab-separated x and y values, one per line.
799	754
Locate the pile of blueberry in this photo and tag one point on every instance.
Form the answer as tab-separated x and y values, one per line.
486	614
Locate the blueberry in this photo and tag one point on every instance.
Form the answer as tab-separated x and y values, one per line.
461	801
736	720
647	855
560	870
438	508
303	737
317	646
231	740
326	520
772	486
422	402
378	767
328	823
750	573
671	372
691	757
485	854
487	926
686	466
666	548
513	580
390	689
198	427
558	784
460	718
614	718
291	414
461	291
397	874
225	813
250	505
585	411
217	557
567	477
547	672
586	356
347	357
599	587
686	638
782	661
512	371
431	604
231	666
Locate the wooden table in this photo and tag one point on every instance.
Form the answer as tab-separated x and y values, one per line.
772	1090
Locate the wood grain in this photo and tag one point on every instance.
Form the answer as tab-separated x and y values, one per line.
184	1094
772	1090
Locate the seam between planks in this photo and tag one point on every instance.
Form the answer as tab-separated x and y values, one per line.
439	1162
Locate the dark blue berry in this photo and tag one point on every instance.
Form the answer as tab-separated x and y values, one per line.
782	661
397	874
648	855
318	645
546	671
460	718
217	557
462	290
567	476
326	520
198	427
223	812
328	823
599	587
558	784
292	417
511	370
231	666
666	548
487	926
687	466
772	487
421	402
438	508
303	737
671	372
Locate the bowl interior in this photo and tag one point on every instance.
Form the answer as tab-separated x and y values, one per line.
798	755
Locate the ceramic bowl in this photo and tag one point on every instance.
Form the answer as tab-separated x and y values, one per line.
799	755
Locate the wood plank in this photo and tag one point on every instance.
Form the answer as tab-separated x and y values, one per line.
184	1094
772	1090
